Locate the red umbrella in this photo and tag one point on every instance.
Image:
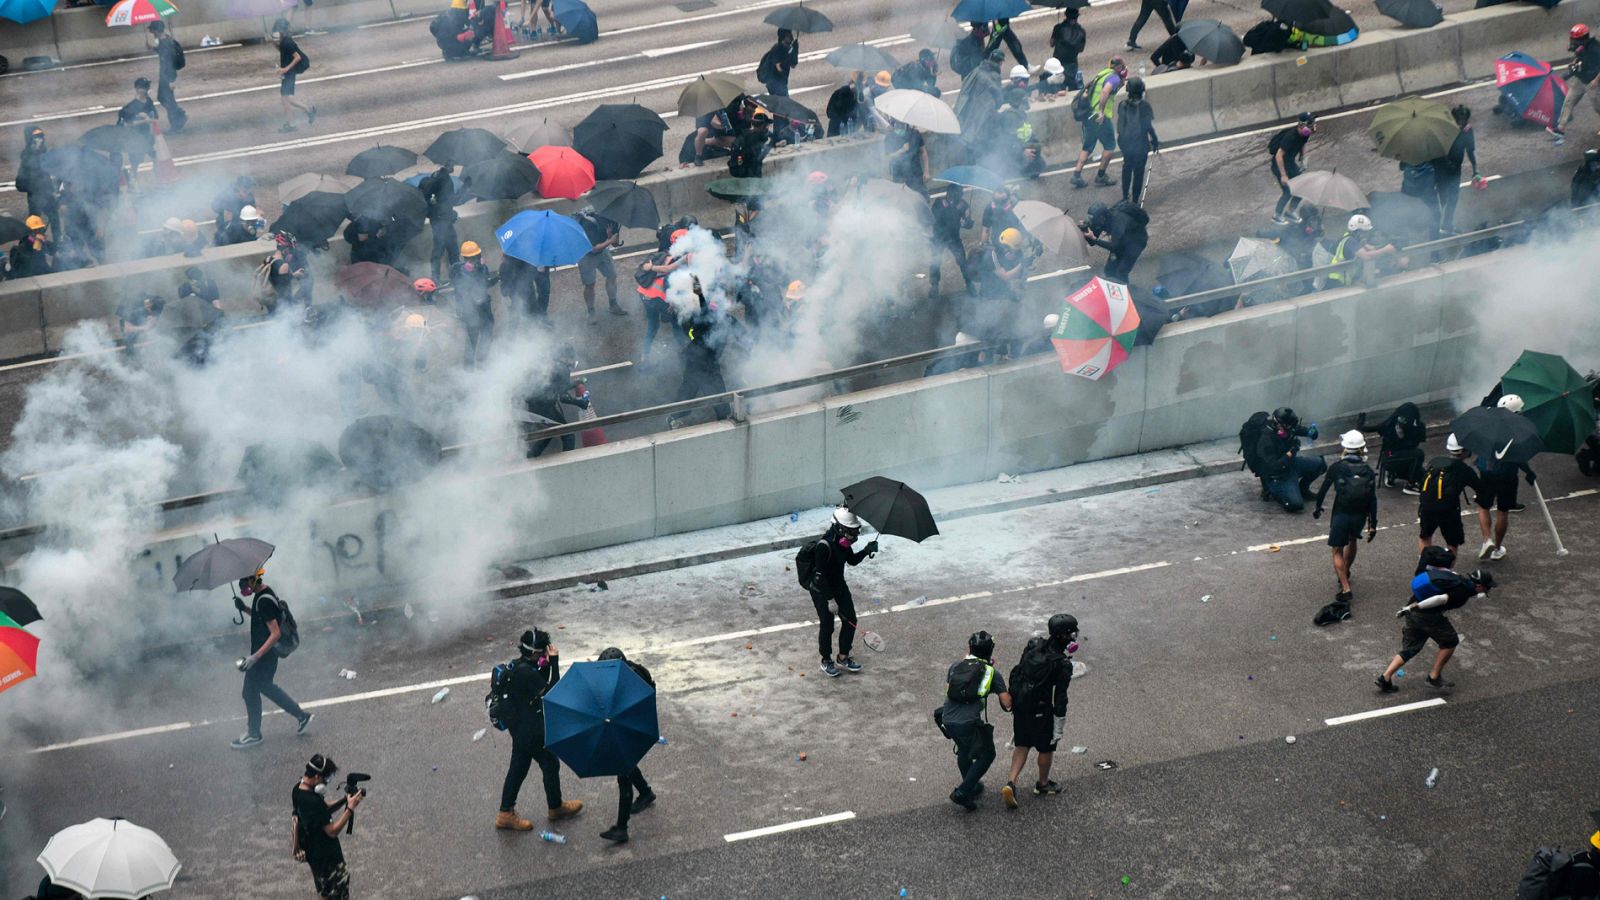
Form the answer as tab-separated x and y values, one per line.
563	172
1096	330
19	654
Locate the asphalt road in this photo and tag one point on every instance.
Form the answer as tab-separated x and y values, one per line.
1195	602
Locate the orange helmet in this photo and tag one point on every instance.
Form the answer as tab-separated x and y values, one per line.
424	286
680	233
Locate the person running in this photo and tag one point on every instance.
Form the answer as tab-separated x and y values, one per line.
292	62
1039	684
831	553
1098	128
1439	506
534	672
266	630
964	717
633	792
170	57
1146	7
1355	501
1434	591
1287	155
1136	134
1498	493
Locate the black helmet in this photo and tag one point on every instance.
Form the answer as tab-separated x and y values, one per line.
612	653
1285	416
1135	87
1482	579
1063	627
981	645
1438	557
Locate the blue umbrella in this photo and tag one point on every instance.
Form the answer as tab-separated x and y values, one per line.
972	177
543	238
600	718
578	20
988	10
25	11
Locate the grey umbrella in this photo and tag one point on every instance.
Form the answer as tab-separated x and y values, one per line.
530	136
221	563
1328	189
861	57
309	182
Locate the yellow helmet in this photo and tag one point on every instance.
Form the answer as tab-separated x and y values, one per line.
470	248
1012	238
884	79
35	223
458	4
796	291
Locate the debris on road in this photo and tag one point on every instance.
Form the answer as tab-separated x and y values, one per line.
1080	749
1009	479
1206	599
478	735
1289	739
1432	779
439	697
347	674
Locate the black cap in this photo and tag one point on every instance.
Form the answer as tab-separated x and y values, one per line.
1307	118
158	26
1438	557
1283	415
1482	579
141	83
926	54
534	639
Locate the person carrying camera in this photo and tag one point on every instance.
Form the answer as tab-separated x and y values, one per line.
533	674
315	836
261	666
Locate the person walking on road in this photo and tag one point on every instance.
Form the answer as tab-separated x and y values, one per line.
267	622
1355	502
633	792
1434	592
1039	684
1286	476
1498	493
778	63
1067	40
951	213
439	193
169	53
1439	506
314	836
534	672
1146	7
1581	73
1098	127
292	63
964	717
829	555
1287	154
603	234
1136	134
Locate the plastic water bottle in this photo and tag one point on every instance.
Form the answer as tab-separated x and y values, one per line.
1432	779
662	740
550	837
443	693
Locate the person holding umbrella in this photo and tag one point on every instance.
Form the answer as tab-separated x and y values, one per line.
828	556
603	235
778	63
534	672
633	792
170	55
267	618
1497	495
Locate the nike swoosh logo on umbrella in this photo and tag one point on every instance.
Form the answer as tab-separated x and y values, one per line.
1502	453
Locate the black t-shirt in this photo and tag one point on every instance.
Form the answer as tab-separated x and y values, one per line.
287	49
131	112
597	228
908	164
263	609
1067	40
998	219
321	850
530	681
1291	142
1446	478
167	51
948	217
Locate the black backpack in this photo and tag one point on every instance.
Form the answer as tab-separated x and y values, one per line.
1436	494
1553	874
178	60
807	565
1025	689
440	26
1249	436
304	64
1083	103
766	70
497	703
970	681
1357	485
288	628
1333	612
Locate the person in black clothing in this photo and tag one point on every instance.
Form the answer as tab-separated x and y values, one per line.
907	155
1136	135
1355	501
633	792
1287	152
534	672
750	148
1173	54
240	194
921	74
705	335
964	717
1403	433
1447	168
1581	72
439	192
1286	476
315	836
526	293
833	553
1121	230
266	629
34	255
971	50
369	242
1585	181
951	213
34	181
474	305
999	215
778	63
1039	684
137	114
292	62
1439	506
554	391
245	227
170	56
1497	493
1067	40
1146	7
1000	32
1434	592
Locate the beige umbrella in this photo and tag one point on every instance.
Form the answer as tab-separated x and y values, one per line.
1328	189
1053	228
919	110
709	93
301	185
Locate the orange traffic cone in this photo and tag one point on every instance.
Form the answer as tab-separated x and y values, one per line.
502	35
166	170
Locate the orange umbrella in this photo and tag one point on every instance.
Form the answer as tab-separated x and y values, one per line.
563	172
19	654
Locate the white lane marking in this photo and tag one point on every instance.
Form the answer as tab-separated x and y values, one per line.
643	54
789	826
1257	548
119	736
1386	711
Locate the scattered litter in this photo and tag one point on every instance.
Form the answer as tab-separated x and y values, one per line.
1401	673
794	516
1273	548
1106	765
169	765
1126	880
1249	678
327	629
1432	779
1009	479
903	892
1079	669
662	740
561	628
919	600
1154	490
436	768
550	837
350	604
409	611
1289	739
478	735
749	646
598	587
800	758
1273	638
1080	749
1206	599
443	693
347	674
733	715
1383	818
913	777
1195	524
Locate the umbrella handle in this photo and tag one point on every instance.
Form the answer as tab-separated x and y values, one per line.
1561	549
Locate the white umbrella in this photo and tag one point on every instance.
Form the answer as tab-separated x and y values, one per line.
919	110
1253	258
110	858
1328	189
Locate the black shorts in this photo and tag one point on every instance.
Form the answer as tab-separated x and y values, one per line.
286	85
1034	732
1345	528
1445	521
1497	492
1102	132
1420	626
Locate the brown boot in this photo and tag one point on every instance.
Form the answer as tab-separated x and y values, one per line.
512	821
566	810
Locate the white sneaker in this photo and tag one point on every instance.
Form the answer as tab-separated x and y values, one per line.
1486	549
1499	553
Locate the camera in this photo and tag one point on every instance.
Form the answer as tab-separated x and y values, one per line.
352	783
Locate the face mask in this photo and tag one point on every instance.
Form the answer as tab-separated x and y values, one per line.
1282	431
247	590
1304	131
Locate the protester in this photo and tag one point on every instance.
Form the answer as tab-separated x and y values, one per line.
368	240
1287	151
245	228
425	288
1498	492
1555	874
1434	592
534	672
169	53
314	836
1000	272
136	317
1067	40
907	154
238	195
525	289
951	213
554	390
1120	229
1000	32
1585	181
842	109
292	63
999	215
921	74
603	234
34	255
1355	501
1016	91
1172	55
1052	81
136	114
1136	134
1439	506
453	34
1098	128
1447	168
439	193
1286	475
652	289
287	275
964	717
1581	72
633	792
33	181
751	147
705	334
826	558
1039	683
1403	433
1146	7
268	620
778	63
474	305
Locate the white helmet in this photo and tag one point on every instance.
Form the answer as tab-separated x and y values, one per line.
1512	402
251	214
1053	66
844	518
1353	440
1453	445
1052	320
1358	222
1019	72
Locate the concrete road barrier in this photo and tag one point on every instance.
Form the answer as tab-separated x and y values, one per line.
17	42
1311	80
21	318
1182	104
1368	69
1428	58
1244	95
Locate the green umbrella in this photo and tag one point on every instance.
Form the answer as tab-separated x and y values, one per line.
739	188
1555	398
1413	130
709	93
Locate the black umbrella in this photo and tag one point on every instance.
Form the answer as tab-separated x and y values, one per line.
116	139
386	200
188	314
460	146
504	177
1188	273
12	229
530	136
383	452
268	469
378	161
798	18
1412	13
1314	16
1212	40
891	507
82	167
313	218
1061	4
16	606
218	564
1498	434
785	108
620	139
861	57
625	203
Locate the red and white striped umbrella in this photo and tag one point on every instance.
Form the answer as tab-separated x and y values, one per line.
138	12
